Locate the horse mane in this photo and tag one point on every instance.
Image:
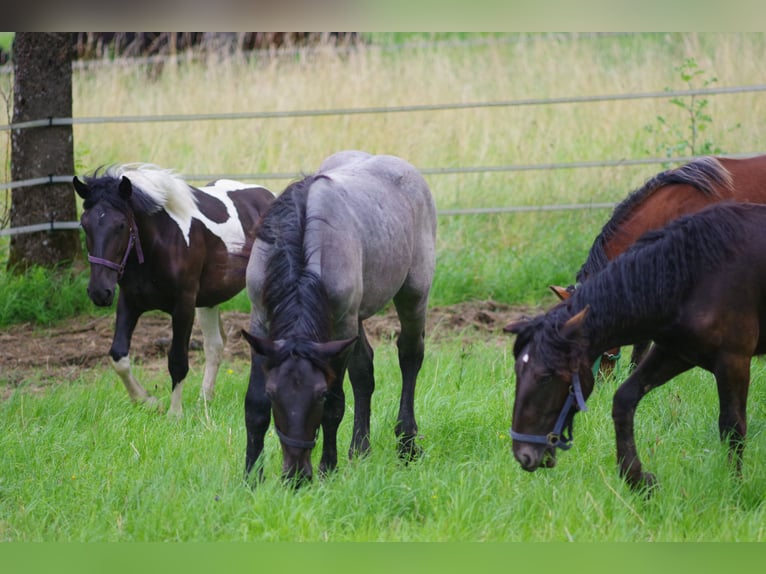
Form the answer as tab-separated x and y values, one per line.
154	189
655	275
705	174
293	295
650	281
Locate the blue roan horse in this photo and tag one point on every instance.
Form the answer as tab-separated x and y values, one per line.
170	247
697	289
334	249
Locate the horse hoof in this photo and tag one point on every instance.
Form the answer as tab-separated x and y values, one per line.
645	483
409	451
153	404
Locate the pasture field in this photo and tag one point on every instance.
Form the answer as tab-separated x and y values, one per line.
81	463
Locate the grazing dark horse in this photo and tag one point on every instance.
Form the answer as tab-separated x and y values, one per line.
170	247
663	198
697	289
334	249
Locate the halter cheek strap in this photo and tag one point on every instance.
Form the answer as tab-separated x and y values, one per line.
133	241
294	442
560	437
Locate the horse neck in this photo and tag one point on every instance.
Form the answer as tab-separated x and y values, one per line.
608	326
661	207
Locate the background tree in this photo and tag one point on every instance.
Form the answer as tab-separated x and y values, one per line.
42	66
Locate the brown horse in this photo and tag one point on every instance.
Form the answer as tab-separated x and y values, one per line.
697	288
172	247
663	198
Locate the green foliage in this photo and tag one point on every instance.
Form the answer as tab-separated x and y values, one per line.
82	463
688	138
42	296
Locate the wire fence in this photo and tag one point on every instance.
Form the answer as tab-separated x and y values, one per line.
434	171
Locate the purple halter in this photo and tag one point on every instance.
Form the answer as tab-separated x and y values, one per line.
560	437
133	241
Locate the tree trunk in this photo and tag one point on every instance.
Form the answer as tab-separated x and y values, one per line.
42	66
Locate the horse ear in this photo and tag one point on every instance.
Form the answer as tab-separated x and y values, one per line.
332	349
262	346
126	188
81	189
516	326
575	322
561	292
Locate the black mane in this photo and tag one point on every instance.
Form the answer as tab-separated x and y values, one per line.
105	187
648	283
294	296
704	174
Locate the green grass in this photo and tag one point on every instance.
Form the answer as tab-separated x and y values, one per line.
81	463
6	39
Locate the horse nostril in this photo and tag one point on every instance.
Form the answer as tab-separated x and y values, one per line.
524	459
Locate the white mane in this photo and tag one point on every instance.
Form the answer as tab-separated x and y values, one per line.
170	192
164	186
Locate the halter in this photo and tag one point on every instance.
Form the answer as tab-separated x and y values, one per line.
133	241
294	442
560	437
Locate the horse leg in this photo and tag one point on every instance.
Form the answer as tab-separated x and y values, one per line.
178	355
639	351
411	348
732	375
257	413
655	370
214	341
332	415
119	354
362	377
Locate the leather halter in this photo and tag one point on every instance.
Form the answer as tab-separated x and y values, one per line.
294	442
133	241
560	437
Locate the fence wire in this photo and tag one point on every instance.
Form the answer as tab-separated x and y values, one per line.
53	121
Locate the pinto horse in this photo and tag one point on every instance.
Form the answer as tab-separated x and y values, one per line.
172	247
334	249
697	289
663	198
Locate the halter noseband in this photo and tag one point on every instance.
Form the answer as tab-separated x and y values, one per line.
133	241
560	437
294	442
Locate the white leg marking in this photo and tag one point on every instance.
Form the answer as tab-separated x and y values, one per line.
176	404
134	388
214	340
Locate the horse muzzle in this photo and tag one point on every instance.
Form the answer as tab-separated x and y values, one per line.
101	297
298	471
532	457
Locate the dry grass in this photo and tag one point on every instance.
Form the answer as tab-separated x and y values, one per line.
534	68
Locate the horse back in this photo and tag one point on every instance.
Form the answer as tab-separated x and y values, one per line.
726	309
374	215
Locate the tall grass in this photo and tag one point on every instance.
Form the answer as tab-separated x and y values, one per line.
80	463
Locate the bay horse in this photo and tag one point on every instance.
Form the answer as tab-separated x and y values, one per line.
663	198
172	247
334	249
697	288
